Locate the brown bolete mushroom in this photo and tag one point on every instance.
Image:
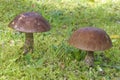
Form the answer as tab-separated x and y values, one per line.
29	23
90	39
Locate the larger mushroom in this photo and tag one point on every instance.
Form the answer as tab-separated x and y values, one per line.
90	39
29	23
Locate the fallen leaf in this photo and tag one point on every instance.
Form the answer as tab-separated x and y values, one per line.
114	36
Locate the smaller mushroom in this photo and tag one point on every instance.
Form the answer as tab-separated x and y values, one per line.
90	39
29	23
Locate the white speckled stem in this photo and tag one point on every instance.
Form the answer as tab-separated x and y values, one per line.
29	41
89	59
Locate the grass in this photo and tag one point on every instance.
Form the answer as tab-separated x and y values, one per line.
53	57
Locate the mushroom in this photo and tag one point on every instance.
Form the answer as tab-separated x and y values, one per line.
90	39
29	23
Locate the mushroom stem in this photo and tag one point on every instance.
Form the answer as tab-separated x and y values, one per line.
29	41
89	59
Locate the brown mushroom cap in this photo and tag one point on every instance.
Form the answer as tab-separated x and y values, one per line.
29	22
90	39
